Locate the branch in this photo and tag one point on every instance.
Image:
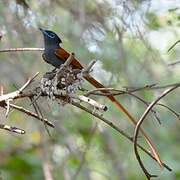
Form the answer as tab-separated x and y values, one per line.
174	63
20	49
93	103
69	60
173	45
15	94
32	114
12	129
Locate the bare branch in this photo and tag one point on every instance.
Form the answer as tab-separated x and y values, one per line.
173	45
69	60
12	129
174	63
87	70
15	94
92	102
20	49
32	114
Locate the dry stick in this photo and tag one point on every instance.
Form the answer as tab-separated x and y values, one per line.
112	125
148	86
39	113
20	49
153	87
174	112
173	45
7	107
32	114
101	91
69	60
112	91
28	82
12	129
14	94
87	70
137	129
174	63
67	63
92	102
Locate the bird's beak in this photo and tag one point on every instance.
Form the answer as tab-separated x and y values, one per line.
41	30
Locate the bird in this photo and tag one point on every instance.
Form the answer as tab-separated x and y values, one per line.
55	55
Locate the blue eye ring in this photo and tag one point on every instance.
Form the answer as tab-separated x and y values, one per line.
52	36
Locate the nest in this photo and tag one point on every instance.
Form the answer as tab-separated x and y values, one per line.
64	81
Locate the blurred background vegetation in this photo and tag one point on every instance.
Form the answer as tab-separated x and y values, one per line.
130	39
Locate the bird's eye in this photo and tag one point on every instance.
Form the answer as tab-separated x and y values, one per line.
50	34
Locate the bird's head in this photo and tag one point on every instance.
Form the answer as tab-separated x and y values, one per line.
50	38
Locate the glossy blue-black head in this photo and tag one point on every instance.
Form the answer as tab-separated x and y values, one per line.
50	37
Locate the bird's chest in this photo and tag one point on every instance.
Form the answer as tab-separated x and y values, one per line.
50	57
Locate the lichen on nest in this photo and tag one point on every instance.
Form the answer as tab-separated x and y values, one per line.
65	81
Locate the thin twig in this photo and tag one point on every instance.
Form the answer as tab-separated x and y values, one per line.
32	114
173	45
7	107
153	87
92	102
167	107
20	49
69	60
12	129
87	70
17	93
39	113
174	63
28	82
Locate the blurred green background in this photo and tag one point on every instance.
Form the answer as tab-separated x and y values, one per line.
130	39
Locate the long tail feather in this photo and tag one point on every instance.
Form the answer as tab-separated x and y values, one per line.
63	55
